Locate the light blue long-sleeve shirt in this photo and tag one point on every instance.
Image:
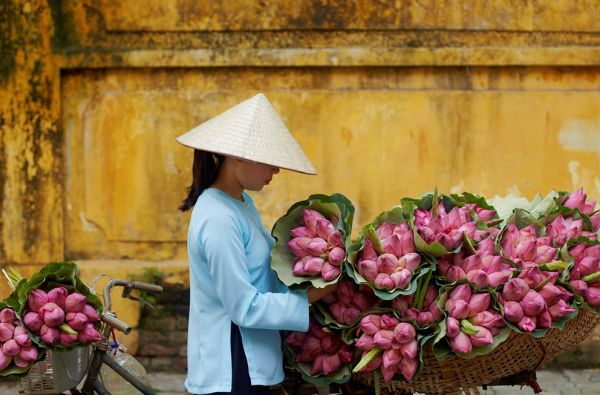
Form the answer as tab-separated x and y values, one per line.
231	281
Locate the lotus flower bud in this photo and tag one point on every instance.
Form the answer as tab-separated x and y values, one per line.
479	278
324	228
20	362
410	261
532	303
33	321
389	322
316	246
408	368
52	314
49	335
337	256
461	292
346	355
89	334
544	319
404	332
310	218
330	344
461	343
391	357
10	347
302	231
58	296
36	299
7	315
335	240
295	339
368	269
384	281
329	272
77	321
365	342
579	286
298	246
383	339
370	324
312	265
410	349
21	336
363	301
526	324
560	309
515	290
457	308
388	374
350	315
368	251
5	360
455	273
452	327
425	317
551	293
317	365
545	254
478	303
593	297
496	279
483	337
532	276
75	303
513	311
392	245
331	363
298	269
401	278
29	354
488	319
6	331
387	263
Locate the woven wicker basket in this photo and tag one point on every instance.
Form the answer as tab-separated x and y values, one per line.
519	353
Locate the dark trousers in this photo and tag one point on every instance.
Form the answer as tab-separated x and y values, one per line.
241	378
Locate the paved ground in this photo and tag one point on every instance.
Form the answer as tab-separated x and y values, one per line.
566	382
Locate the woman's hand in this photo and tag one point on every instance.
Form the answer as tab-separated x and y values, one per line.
315	294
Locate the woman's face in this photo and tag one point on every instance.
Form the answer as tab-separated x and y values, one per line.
254	176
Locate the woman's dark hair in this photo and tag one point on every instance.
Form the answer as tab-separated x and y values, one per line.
204	173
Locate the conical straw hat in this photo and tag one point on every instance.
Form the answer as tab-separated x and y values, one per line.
250	130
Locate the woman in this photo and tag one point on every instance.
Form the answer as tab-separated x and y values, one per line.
237	304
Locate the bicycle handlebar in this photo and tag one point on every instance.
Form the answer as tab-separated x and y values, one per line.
115	323
127	284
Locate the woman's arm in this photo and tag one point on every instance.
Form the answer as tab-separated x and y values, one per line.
222	243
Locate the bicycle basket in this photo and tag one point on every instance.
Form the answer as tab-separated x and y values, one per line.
58	372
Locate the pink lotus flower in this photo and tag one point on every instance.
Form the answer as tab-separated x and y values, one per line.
532	303
452	327
479	303
408	368
20	362
49	335
515	290
578	200
461	343
560	309
526	324
33	321
10	347
337	256
75	302
368	269
77	321
310	218
295	339
513	311
383	339
365	342
21	336
331	363
404	332
483	337
52	314
370	324
298	246
7	315
36	299
302	231
89	334
58	296
329	272
391	357
6	331
5	360
325	229
29	354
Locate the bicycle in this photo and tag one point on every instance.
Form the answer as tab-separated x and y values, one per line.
100	355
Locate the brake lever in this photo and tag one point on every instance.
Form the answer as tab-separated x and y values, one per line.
127	294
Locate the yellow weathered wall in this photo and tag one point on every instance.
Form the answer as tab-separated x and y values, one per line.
388	98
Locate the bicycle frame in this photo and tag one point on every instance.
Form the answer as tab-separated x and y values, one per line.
101	356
